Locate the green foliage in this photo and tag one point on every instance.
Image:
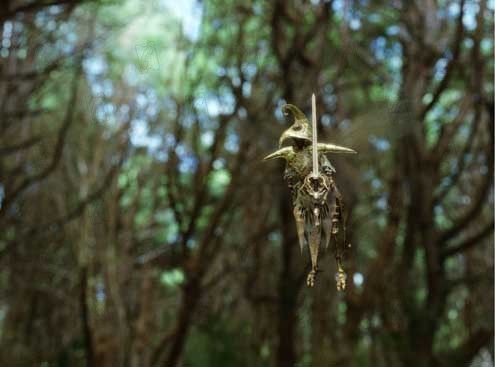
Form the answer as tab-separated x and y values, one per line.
172	278
218	344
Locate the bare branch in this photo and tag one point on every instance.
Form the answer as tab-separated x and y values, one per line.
36	6
469	242
57	153
28	143
457	42
483	189
462	160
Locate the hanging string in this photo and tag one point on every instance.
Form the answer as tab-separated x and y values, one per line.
315	137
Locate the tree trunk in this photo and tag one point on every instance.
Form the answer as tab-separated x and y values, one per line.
88	340
287	298
190	299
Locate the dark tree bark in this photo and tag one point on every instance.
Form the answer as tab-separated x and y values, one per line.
287	289
85	322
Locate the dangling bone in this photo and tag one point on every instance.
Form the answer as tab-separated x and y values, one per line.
298	215
314	243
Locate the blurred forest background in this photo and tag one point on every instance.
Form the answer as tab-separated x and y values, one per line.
139	227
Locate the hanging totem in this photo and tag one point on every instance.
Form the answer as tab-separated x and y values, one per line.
318	206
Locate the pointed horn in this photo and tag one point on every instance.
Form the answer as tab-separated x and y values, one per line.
281	153
296	112
332	148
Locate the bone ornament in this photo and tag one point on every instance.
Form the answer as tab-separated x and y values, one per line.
318	206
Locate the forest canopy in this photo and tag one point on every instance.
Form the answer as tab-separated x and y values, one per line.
139	226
